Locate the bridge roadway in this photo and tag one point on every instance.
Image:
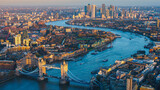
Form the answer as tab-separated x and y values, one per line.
65	73
71	77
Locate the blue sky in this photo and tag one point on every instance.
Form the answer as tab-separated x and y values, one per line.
81	2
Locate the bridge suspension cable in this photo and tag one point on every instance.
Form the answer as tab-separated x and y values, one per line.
76	79
27	72
73	75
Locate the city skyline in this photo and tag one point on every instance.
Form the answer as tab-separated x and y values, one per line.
78	2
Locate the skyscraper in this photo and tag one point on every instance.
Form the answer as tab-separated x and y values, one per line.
116	9
112	8
107	13
122	13
85	10
89	9
93	11
130	10
115	14
111	13
103	9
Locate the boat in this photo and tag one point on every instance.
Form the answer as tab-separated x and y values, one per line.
151	44
146	39
81	63
130	38
105	60
95	71
94	53
118	36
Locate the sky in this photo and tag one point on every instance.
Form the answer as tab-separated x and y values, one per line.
79	2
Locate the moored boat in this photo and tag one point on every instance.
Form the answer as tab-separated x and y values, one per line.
105	60
94	53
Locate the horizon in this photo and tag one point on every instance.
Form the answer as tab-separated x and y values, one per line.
60	6
71	3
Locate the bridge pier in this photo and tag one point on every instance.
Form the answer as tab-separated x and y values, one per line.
42	69
63	82
64	69
41	78
17	72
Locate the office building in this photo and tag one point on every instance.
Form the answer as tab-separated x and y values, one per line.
130	10
88	9
93	11
107	13
85	10
103	9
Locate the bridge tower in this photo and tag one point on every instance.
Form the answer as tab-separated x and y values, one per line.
64	70
42	69
17	70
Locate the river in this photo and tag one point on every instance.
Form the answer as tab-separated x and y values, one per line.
122	48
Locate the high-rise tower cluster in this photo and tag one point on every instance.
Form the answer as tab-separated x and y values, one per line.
92	11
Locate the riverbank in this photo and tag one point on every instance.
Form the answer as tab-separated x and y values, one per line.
67	42
144	33
122	48
7	78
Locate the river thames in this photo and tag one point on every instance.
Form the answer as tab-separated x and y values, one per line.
122	48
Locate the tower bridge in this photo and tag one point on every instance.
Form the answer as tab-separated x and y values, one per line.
40	71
